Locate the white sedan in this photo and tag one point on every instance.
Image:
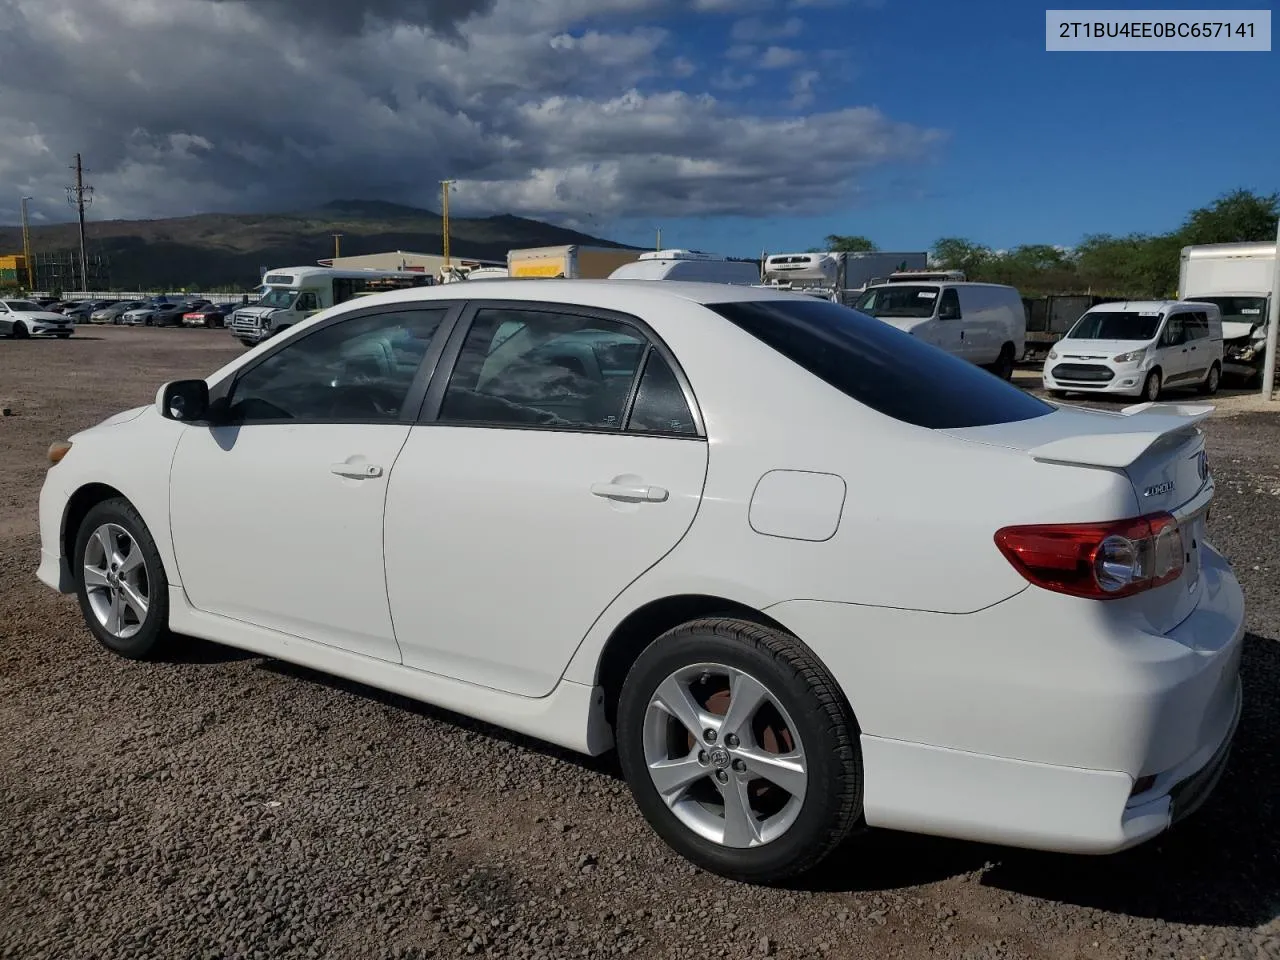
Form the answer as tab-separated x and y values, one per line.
26	318
805	572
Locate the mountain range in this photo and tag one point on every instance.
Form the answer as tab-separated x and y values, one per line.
213	250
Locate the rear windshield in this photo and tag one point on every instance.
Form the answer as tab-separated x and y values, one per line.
881	366
1115	325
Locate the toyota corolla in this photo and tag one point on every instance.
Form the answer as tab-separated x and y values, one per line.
804	572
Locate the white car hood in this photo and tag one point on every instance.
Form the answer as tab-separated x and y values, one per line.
1236	329
124	416
1098	348
41	315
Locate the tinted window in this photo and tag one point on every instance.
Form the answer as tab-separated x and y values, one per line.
660	406
1196	325
949	308
882	367
1174	331
533	367
308	301
357	369
1115	325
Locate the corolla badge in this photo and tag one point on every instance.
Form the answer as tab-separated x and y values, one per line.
1159	489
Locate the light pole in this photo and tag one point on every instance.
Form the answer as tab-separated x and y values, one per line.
26	247
1273	326
337	245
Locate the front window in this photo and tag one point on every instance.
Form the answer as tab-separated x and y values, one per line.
882	367
901	301
22	306
1138	326
278	299
1250	310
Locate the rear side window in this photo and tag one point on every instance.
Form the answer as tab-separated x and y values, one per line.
882	367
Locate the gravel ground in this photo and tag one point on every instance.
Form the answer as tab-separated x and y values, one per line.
225	805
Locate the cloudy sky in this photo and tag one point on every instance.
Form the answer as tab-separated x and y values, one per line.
733	124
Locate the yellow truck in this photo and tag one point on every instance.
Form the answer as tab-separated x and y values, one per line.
571	261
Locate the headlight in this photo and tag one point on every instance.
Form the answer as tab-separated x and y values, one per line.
1243	353
1053	354
1131	357
58	450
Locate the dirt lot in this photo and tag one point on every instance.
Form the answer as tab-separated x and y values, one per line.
224	805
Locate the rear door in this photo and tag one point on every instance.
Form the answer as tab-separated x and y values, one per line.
560	456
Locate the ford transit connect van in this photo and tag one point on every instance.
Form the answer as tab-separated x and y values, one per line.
984	323
1139	349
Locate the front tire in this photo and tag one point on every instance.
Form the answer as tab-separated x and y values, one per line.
20	331
1152	386
740	750
120	581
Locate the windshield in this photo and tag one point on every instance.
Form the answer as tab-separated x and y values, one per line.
279	299
1115	325
881	366
911	302
1250	310
23	306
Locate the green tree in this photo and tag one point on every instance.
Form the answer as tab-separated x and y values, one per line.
957	253
1236	217
851	244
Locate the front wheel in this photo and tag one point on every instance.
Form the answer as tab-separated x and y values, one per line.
20	331
120	581
740	750
1152	386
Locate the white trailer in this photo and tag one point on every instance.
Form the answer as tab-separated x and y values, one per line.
1235	277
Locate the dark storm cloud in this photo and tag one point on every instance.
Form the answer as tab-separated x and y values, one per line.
549	108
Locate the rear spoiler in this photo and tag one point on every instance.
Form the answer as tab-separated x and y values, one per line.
1140	427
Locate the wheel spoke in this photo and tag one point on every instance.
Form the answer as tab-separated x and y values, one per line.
133	601
741	828
106	543
785	770
674	697
745	697
673	777
115	617
93	577
133	561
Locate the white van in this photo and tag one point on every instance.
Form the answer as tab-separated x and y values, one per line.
688	265
984	323
1139	348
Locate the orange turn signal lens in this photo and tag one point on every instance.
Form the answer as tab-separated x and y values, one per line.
58	450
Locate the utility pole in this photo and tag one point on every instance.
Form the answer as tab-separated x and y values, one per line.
659	246
1273	327
445	187
80	197
337	245
26	247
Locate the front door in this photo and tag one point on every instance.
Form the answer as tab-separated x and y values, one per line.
277	516
1175	358
548	483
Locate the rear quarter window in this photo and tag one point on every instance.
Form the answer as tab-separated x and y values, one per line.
882	367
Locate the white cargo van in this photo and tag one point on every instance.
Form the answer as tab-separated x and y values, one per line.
688	265
984	323
1139	348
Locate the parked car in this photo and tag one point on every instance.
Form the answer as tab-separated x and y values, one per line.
208	315
984	323
891	589
156	315
25	318
1139	349
114	312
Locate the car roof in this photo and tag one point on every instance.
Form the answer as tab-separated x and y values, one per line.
605	294
1130	306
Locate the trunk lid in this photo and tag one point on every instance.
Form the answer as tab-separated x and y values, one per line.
1159	448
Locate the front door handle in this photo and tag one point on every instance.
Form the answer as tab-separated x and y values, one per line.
634	494
356	471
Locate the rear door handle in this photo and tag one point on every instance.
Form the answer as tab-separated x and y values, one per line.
356	471
622	491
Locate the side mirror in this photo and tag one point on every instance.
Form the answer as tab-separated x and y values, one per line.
183	400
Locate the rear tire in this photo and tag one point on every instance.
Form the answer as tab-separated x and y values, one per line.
1152	387
1212	381
120	581
798	792
20	331
1003	367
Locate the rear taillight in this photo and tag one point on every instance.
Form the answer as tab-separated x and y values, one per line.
1101	561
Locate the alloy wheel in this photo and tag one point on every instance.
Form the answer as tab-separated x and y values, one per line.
116	582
